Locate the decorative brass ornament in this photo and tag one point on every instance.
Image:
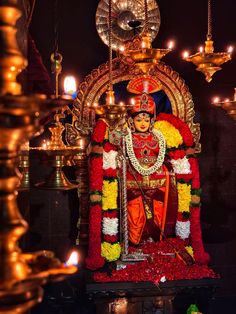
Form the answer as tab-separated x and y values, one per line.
124	12
228	105
207	61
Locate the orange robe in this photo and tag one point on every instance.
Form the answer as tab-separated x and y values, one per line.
146	215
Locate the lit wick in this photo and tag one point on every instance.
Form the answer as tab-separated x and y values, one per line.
73	259
70	86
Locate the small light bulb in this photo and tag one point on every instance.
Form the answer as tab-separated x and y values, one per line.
230	49
226	100
201	49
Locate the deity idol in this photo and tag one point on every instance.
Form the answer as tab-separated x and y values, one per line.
160	150
147	176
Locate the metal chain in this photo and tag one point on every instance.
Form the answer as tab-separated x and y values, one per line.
110	44
124	199
145	16
56	26
209	28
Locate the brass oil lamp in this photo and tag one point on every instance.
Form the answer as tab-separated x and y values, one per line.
145	57
207	61
229	105
21	275
57	153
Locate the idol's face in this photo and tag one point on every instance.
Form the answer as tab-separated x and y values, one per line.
142	122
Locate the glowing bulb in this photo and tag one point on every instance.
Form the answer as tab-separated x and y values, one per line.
70	85
95	104
88	104
121	103
171	44
185	54
201	49
226	100
230	49
73	259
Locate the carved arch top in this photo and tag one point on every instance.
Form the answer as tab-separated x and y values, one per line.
95	84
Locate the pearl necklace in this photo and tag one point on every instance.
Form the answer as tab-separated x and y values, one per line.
134	161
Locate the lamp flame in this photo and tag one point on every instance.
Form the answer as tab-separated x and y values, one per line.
171	44
185	54
200	49
73	259
132	101
216	100
69	85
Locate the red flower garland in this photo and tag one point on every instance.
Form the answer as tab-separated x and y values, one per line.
200	255
94	259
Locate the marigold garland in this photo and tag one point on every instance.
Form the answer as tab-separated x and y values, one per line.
171	134
181	126
111	251
110	193
184	196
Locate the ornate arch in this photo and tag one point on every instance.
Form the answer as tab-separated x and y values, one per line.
95	84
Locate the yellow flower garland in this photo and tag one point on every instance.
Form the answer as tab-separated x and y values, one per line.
109	194
184	197
111	251
171	134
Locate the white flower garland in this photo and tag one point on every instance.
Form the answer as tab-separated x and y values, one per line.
134	161
109	159
181	165
182	229
110	226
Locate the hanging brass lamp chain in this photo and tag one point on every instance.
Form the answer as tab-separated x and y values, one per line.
56	57
209	20
145	16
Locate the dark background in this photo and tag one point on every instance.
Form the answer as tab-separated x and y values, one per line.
185	22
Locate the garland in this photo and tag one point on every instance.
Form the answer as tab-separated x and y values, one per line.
110	247
134	161
185	166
